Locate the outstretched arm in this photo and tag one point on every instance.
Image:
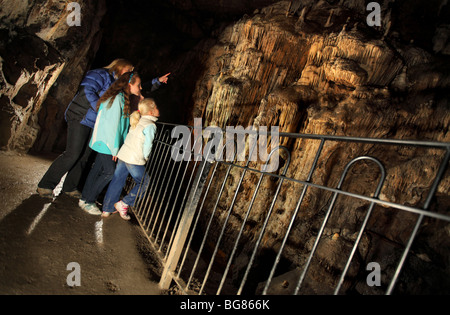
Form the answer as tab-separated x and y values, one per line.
156	83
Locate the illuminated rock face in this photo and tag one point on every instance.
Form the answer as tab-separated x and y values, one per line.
325	71
306	66
39	47
29	69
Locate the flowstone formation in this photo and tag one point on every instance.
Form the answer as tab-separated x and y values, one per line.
318	68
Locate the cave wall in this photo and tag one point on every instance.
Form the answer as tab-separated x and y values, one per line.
169	36
158	37
318	68
43	59
305	66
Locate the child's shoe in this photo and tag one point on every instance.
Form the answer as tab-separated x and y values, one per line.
123	210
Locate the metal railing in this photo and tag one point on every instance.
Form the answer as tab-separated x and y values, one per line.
186	215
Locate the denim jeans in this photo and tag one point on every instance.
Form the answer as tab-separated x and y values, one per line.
72	161
99	177
118	183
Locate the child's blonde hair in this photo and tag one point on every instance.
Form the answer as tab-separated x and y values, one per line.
145	106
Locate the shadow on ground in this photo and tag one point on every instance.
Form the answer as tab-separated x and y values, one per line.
41	237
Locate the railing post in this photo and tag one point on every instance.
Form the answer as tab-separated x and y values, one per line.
185	224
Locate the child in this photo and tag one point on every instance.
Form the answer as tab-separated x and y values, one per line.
132	159
110	131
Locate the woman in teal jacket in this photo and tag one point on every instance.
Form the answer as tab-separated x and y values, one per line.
110	131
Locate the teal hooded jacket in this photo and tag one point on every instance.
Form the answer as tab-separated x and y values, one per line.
111	127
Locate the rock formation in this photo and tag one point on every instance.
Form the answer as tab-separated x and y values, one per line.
318	68
39	48
310	67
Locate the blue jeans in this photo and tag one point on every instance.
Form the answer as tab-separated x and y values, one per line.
118	183
99	177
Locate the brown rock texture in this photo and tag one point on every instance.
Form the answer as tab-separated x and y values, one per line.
322	70
309	67
43	59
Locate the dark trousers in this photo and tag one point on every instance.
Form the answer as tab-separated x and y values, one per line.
73	161
99	177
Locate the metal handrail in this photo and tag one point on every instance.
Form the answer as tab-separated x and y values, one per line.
197	176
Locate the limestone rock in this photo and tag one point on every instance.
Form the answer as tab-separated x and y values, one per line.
316	72
43	59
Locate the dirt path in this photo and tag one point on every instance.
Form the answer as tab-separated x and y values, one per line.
39	238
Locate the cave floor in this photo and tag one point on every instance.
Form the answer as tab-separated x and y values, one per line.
40	239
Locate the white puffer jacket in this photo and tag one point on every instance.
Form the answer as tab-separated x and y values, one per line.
139	141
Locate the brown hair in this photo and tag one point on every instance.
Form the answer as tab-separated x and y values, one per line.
120	86
116	67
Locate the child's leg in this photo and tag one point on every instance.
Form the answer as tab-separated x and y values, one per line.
137	172
115	187
101	174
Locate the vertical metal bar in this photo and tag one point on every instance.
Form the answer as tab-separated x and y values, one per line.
157	199
324	222
363	226
185	224
242	228
433	189
152	176
209	224
196	220
227	218
157	180
199	138
199	214
239	234
156	186
184	201
139	201
174	203
170	195
291	223
263	229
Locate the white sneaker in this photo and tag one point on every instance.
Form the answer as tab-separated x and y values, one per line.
81	204
92	208
122	208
